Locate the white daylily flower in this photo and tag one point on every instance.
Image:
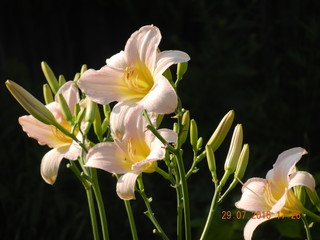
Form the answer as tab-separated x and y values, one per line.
274	195
135	149
135	74
62	146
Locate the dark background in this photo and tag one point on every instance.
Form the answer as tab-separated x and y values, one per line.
260	58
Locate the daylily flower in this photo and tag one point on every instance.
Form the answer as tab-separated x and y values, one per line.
135	74
273	197
62	146
135	148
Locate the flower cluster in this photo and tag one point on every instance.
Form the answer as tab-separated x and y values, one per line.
110	119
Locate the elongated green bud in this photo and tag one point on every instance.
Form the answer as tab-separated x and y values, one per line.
32	105
80	115
300	193
105	125
199	143
175	127
83	68
314	197
242	162
185	127
221	131
47	94
91	111
234	149
61	80
167	74
76	77
97	125
51	78
211	161
159	119
106	110
181	70
65	108
193	133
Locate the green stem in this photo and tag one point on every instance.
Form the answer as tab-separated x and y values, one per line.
185	195
149	211
306	226
213	207
179	213
92	214
311	214
100	204
131	220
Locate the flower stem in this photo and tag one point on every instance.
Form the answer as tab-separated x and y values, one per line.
311	214
131	220
306	226
100	204
211	212
183	188
92	214
149	211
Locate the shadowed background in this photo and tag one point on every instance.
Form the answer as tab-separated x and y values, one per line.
260	58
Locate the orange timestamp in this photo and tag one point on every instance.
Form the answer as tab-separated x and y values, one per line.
242	214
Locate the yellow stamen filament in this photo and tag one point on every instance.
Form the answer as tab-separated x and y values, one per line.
138	79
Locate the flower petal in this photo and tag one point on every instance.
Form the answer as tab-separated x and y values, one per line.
286	162
117	61
167	58
108	157
70	93
252	224
105	86
302	178
43	133
142	46
125	185
252	198
50	165
162	98
122	115
282	168
73	151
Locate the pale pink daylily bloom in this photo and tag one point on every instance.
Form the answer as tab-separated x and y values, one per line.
62	146
135	74
274	197
135	148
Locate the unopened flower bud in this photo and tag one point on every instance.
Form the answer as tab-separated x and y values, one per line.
90	111
47	94
32	105
61	80
199	143
83	68
51	78
80	114
242	162
181	70
64	108
167	74
185	127
221	131
211	161
300	193
234	149
193	133
97	125
175	127
76	77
